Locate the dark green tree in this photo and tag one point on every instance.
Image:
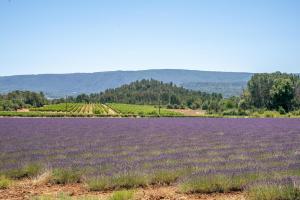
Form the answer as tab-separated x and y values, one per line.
282	94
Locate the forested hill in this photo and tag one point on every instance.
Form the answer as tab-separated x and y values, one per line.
59	85
152	92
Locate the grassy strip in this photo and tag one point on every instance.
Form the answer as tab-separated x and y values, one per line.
126	181
4	182
129	181
121	181
29	170
201	184
218	183
273	192
57	176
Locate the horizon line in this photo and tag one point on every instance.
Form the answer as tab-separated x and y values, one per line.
108	71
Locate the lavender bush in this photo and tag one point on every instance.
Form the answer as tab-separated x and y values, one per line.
189	147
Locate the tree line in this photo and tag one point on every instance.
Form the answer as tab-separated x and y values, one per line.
22	99
265	91
275	91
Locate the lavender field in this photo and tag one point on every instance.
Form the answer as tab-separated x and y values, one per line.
114	146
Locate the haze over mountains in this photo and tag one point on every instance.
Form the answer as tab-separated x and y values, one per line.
60	85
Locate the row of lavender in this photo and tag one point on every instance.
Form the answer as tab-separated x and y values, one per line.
114	146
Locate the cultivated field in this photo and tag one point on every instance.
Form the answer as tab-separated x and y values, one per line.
258	157
142	110
75	108
93	110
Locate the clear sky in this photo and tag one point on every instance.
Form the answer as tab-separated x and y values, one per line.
61	36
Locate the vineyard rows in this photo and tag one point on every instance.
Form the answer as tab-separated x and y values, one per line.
105	109
76	108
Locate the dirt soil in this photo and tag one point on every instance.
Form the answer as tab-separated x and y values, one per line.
27	190
189	112
23	110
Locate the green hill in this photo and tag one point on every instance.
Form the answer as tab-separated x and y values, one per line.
153	92
60	85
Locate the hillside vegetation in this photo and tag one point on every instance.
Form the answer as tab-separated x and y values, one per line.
154	92
60	85
276	91
21	99
268	95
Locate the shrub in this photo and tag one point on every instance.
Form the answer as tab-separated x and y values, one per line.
4	182
33	169
242	112
165	177
126	181
153	113
175	106
59	196
296	113
16	173
219	183
281	110
129	181
206	184
29	170
271	114
99	184
238	182
64	176
230	112
141	113
169	106
273	192
122	195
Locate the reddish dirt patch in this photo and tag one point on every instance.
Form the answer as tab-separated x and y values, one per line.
171	193
26	190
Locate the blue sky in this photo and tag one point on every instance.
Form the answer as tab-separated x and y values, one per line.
61	36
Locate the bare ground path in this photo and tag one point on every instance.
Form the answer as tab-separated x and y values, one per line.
189	112
27	190
109	110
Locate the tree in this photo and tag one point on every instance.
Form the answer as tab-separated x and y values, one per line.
84	98
259	88
282	94
174	100
214	107
272	91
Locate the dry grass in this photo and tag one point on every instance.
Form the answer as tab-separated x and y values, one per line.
43	178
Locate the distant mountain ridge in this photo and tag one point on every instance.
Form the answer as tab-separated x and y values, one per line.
60	85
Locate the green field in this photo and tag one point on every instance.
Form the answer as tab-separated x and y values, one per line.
141	110
93	110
